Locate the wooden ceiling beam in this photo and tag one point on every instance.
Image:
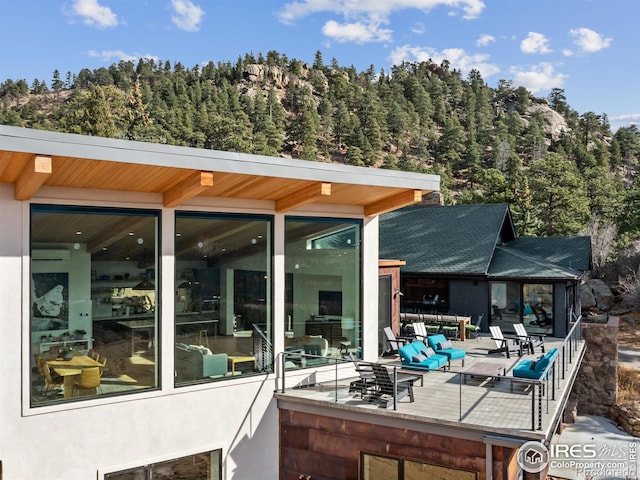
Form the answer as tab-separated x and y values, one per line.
33	176
190	187
117	231
305	195
393	202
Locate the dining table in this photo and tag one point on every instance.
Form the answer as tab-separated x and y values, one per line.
71	369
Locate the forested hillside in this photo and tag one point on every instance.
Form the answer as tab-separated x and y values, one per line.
560	170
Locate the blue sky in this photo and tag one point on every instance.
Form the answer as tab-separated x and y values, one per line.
589	48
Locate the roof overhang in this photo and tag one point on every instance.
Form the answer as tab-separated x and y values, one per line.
31	159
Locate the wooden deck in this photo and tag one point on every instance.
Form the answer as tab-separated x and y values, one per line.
489	405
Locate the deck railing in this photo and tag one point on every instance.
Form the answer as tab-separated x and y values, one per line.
331	375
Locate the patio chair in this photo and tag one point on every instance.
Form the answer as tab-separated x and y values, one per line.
387	393
452	332
395	342
366	383
529	341
420	331
473	330
507	345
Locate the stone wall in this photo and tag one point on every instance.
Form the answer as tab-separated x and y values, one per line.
627	419
596	387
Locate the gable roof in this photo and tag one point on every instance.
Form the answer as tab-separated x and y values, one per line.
457	239
542	258
478	240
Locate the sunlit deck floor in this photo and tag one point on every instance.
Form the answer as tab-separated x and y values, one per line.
499	406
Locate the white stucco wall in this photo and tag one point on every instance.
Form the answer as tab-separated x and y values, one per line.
84	440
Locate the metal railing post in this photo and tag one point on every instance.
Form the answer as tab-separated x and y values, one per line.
460	375
336	380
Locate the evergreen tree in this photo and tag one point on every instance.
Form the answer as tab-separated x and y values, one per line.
559	198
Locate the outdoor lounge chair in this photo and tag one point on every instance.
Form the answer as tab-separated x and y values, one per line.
420	331
388	391
440	345
394	342
366	383
507	345
529	341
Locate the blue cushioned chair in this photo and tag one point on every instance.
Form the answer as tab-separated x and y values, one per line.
525	369
451	353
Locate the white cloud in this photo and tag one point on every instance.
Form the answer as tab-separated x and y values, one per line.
418	28
567	52
538	78
113	55
632	118
355	32
187	16
93	14
485	40
362	18
535	43
589	41
457	58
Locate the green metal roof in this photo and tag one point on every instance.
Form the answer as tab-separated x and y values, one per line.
477	240
445	239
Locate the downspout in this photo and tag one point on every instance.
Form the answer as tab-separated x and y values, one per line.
498	441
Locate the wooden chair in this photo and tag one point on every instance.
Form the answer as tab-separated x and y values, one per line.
49	381
89	380
393	341
366	383
103	361
507	345
529	341
388	391
420	331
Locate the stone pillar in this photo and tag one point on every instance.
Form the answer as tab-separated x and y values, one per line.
596	386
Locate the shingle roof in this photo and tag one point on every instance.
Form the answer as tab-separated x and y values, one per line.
445	239
477	240
542	257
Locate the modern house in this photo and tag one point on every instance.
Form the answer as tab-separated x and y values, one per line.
149	292
468	260
172	312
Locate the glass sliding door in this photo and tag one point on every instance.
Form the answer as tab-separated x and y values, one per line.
94	302
528	303
223	298
323	276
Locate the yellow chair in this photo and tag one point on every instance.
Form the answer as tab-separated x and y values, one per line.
49	381
103	361
89	380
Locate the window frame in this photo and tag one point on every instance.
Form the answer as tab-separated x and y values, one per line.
53	207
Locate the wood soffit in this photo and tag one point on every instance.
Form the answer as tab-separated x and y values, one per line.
29	172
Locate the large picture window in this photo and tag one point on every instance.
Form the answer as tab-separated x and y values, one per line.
94	303
223	298
323	286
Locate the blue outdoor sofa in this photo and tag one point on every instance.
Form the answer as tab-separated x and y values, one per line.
532	368
438	341
413	357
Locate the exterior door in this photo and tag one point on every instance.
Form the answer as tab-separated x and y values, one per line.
384	308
